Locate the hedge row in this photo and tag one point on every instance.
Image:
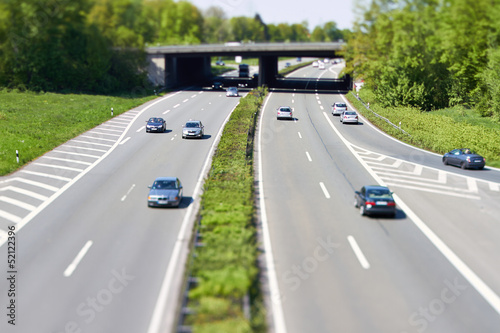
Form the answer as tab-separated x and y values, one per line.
435	132
224	266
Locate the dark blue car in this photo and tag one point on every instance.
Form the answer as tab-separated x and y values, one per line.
156	124
464	158
375	200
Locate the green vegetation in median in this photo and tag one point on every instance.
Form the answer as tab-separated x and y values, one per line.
225	266
438	131
35	123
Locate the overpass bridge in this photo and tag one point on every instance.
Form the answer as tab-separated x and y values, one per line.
174	66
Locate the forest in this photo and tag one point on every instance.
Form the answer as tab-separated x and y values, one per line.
98	45
429	54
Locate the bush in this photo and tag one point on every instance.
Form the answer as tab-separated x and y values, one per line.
225	265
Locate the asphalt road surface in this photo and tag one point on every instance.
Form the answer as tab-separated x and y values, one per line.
433	268
90	256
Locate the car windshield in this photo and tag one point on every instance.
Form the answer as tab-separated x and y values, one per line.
164	185
351	113
192	124
379	194
340	105
285	110
467	151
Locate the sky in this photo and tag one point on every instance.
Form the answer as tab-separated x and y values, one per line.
315	12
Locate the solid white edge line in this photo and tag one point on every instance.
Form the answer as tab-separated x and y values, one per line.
161	319
276	306
485	291
357	251
406	144
71	268
47	202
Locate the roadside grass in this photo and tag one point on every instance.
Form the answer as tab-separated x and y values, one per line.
225	265
35	123
438	131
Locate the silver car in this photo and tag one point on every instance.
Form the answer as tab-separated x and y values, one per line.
338	108
284	112
232	92
193	129
165	192
349	117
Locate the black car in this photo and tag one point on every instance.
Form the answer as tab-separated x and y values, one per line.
217	85
464	158
156	124
375	200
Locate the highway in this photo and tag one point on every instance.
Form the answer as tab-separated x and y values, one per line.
431	269
90	255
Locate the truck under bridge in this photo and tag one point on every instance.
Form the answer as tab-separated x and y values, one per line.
176	66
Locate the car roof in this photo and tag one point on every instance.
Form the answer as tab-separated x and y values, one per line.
376	187
166	178
193	121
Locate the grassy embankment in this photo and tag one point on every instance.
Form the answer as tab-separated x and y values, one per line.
34	123
225	266
438	131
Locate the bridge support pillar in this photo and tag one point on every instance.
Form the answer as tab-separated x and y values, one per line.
268	69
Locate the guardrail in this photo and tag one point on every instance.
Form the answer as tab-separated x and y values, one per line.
367	107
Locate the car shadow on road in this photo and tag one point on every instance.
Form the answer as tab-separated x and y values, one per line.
164	132
204	137
352	124
400	215
185	202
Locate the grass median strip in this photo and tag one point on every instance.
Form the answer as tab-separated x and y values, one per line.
226	297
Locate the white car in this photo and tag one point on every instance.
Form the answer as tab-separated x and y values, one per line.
321	65
338	108
284	112
315	64
232	92
350	117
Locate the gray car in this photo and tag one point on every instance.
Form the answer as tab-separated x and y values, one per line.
165	192
349	117
232	92
338	108
284	112
193	129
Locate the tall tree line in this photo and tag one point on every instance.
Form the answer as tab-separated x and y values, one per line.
97	45
429	54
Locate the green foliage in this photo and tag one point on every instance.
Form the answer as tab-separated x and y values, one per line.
225	266
35	123
428	54
437	131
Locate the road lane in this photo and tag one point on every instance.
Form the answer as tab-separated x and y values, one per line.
116	283
321	294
